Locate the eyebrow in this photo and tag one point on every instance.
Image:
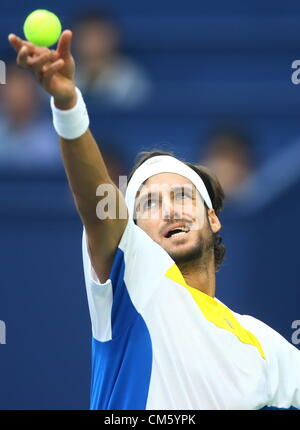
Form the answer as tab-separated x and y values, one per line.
184	187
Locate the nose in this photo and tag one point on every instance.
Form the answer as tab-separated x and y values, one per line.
170	210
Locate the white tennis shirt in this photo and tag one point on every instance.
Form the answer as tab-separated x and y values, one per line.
159	344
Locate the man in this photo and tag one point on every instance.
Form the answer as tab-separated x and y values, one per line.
161	340
26	139
103	71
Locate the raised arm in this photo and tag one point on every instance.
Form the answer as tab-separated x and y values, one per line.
82	159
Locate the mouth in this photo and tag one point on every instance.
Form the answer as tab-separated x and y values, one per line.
176	232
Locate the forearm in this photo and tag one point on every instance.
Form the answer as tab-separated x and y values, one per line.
82	159
85	170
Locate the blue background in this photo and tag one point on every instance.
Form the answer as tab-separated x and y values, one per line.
207	61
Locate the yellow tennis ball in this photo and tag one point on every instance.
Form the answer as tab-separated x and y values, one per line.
42	28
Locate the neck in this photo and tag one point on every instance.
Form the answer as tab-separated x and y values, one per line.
200	275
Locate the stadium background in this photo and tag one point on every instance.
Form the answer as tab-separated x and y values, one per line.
206	62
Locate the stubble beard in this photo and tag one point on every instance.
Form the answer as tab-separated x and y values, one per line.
199	253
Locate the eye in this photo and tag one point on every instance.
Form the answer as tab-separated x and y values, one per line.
182	194
149	203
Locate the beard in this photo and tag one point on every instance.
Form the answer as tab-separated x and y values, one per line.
199	252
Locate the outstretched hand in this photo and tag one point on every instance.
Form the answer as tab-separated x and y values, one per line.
54	69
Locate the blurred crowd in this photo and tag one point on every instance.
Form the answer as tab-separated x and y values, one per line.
104	73
113	80
103	70
27	139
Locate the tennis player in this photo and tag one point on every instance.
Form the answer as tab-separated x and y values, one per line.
160	337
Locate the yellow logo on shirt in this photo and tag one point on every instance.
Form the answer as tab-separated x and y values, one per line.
216	312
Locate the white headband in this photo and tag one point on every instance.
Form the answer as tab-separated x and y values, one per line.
162	164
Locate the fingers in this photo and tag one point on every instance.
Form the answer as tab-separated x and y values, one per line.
15	41
30	56
48	71
36	63
64	44
23	55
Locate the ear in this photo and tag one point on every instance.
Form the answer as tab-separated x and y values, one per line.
213	221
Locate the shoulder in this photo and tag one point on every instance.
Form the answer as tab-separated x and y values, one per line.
264	333
138	254
256	324
270	338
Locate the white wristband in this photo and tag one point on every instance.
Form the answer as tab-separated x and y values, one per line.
71	123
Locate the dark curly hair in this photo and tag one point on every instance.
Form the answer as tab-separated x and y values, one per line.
214	190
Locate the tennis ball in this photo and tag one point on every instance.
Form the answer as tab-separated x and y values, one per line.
42	28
